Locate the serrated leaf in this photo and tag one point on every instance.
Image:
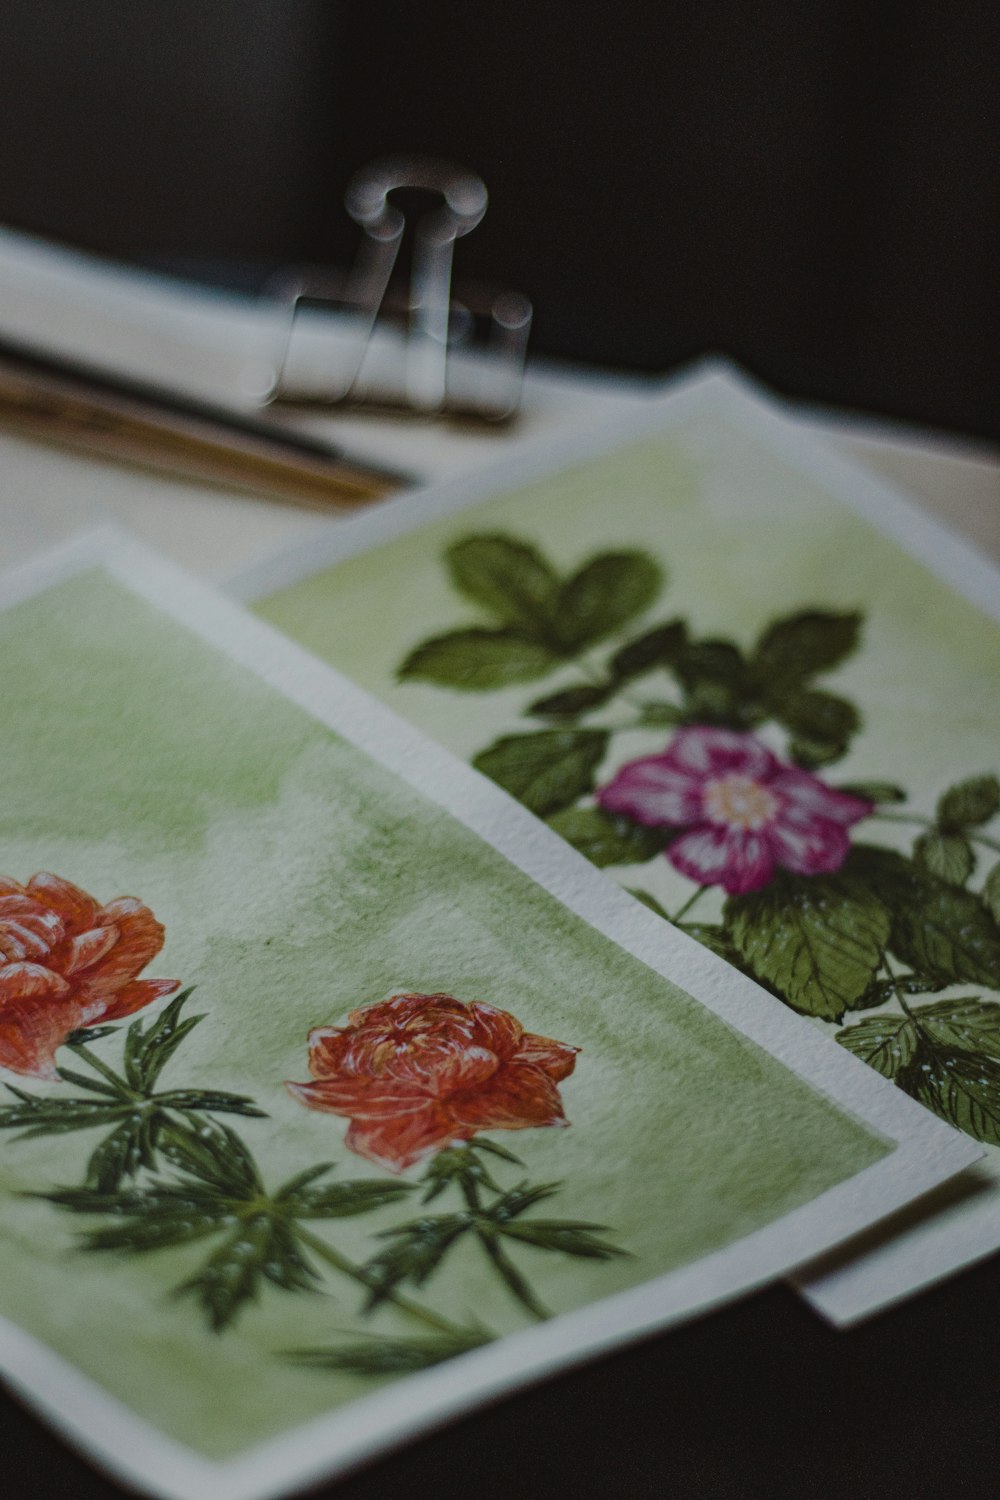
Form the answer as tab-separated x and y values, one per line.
968	1023
477	661
942	930
566	1237
571	701
384	1356
714	937
991	893
817	718
507	577
546	771
605	839
816	940
960	1087
659	647
886	1043
604	595
802	644
948	856
969	803
874	791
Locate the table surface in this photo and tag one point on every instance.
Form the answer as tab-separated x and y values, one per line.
760	1401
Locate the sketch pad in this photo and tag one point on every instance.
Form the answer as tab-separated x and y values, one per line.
297	1012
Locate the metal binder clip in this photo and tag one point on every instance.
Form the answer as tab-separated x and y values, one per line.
419	350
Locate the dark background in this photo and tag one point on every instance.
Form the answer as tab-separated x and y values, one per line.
810	187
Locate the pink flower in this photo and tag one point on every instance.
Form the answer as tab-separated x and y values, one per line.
744	812
416	1073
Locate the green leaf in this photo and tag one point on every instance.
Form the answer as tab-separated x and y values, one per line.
514	1280
800	645
968	1023
943	930
604	595
887	1043
719	661
816	939
343	1200
817	718
119	1156
948	856
648	901
38	1117
232	1275
991	893
571	701
605	839
385	1356
159	1231
147	1053
215	1156
715	938
961	1087
969	803
812	755
565	1236
546	771
508	578
414	1254
659	647
211	1101
874	791
477	661
519	1199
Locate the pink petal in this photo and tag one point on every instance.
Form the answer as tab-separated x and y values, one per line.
808	797
738	859
809	848
653	792
704	751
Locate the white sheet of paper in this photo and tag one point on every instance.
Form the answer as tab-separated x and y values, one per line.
79	593
755	472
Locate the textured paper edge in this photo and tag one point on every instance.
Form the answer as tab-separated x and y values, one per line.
927	1152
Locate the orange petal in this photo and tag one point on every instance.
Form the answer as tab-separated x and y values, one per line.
518	1097
28	929
133	997
141	938
37	1012
87	947
328	1046
360	1098
496	1029
10	887
400	1142
557	1059
77	909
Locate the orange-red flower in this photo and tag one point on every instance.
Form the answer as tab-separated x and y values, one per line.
416	1073
67	962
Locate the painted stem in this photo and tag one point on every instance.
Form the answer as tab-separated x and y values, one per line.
683	911
356	1273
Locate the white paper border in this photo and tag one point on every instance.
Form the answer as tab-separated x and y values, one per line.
927	1153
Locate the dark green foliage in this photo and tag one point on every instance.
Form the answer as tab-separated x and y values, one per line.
476	661
572	702
660	647
375	1355
605	839
948	856
969	804
548	770
605	595
142	1119
507	578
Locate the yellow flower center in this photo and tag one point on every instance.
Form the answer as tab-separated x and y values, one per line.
739	802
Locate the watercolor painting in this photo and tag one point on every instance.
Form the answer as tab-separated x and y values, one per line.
815	908
286	1115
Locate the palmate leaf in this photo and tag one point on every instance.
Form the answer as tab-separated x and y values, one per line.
477	661
215	1156
513	1278
608	840
508	578
414	1252
147	1052
257	1249
122	1154
375	1355
37	1116
816	940
342	1200
604	595
569	1238
546	771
